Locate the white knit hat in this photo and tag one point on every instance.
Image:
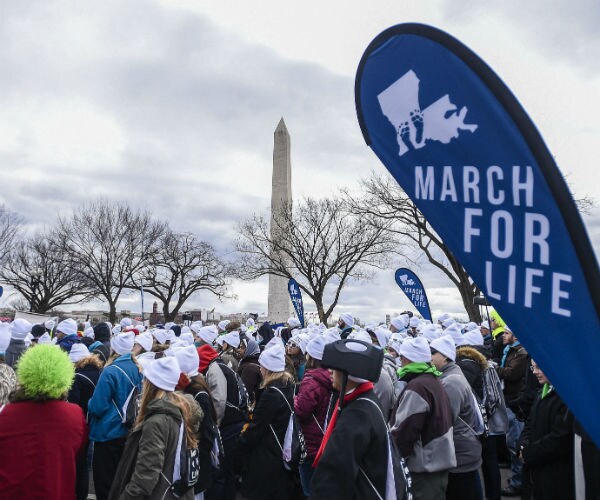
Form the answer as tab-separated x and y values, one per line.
187	337
473	337
293	322
223	324
448	322
316	346
416	350
122	343
163	373
78	351
383	335
67	326
348	319
399	322
273	359
445	345
414	322
160	335
19	329
45	339
4	336
485	325
456	334
145	340
232	338
188	360
125	322
207	334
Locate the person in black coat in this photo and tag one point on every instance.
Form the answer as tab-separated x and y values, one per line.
210	448
352	461
547	444
87	372
101	346
264	475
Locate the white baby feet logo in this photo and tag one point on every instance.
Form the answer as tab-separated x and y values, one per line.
439	121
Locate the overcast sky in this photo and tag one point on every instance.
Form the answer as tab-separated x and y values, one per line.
171	105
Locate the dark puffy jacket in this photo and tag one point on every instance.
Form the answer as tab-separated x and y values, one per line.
358	441
513	374
312	405
547	442
249	370
84	384
264	476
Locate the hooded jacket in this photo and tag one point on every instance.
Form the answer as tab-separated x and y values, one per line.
84	384
14	351
216	380
422	425
146	466
110	395
67	342
312	406
474	366
465	415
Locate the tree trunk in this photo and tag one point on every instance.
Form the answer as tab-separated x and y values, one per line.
467	294
321	311
167	313
112	312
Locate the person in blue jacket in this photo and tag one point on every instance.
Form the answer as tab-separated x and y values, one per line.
105	411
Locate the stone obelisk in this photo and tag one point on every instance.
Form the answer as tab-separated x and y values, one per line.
280	305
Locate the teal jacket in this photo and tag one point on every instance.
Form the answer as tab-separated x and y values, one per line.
112	390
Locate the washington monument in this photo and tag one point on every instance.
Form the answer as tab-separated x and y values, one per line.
280	306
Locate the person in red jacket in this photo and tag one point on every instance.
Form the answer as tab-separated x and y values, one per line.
41	435
312	406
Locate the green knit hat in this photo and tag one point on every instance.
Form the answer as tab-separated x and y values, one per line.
45	371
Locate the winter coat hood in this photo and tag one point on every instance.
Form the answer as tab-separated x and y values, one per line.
163	406
473	354
207	354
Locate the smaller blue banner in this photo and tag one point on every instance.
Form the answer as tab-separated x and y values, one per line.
296	298
1	291
414	290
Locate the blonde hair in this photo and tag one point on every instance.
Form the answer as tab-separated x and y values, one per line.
150	392
272	377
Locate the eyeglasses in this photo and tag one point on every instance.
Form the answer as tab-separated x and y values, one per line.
534	368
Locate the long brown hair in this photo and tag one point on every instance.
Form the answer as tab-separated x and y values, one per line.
272	377
198	384
150	392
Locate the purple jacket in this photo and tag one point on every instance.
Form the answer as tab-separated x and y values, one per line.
312	402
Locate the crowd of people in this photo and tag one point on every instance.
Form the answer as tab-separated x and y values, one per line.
213	412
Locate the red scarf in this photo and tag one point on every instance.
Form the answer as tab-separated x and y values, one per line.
360	389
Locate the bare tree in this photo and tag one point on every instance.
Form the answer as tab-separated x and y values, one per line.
39	271
182	266
384	199
319	243
9	226
108	244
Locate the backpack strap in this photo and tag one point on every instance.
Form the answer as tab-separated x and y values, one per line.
283	396
124	373
87	378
